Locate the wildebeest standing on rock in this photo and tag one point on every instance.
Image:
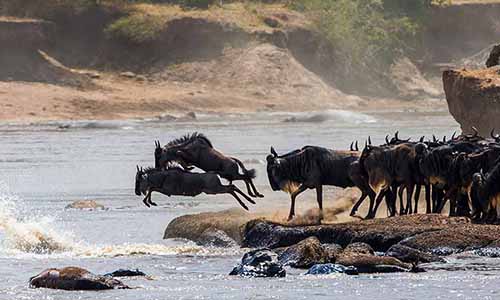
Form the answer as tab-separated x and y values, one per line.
176	181
485	190
309	168
197	150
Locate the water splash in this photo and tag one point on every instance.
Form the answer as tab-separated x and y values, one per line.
28	233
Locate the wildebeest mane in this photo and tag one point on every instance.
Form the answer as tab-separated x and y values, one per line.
169	166
187	139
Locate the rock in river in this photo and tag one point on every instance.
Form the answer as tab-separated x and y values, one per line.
307	253
323	269
74	278
259	263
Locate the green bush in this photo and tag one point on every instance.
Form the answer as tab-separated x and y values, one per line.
136	28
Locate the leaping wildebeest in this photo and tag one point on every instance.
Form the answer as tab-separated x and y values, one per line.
197	150
310	168
174	181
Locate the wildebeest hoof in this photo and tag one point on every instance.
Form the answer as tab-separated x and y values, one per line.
260	195
154	204
146	203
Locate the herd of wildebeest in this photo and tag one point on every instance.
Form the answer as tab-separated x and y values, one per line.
463	170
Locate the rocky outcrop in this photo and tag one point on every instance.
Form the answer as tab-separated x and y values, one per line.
259	263
380	234
474	98
307	253
74	278
494	57
215	238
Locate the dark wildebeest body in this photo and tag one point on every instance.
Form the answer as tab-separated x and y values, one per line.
309	168
485	191
197	150
178	182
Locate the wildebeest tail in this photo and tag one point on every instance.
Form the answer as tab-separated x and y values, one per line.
250	174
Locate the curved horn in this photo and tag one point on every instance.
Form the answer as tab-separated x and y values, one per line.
453	136
273	152
351	147
434	139
475	131
138	168
369	140
444	139
396	135
387	139
356	146
422	139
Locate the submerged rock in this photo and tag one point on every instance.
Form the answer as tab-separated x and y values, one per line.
259	263
306	253
126	273
85	204
323	269
74	278
215	238
410	255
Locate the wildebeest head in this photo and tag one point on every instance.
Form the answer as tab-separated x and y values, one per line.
140	182
468	166
273	170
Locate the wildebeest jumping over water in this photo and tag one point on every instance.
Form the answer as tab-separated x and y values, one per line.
197	150
174	181
310	168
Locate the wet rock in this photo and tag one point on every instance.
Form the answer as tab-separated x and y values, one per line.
271	22
215	238
126	273
365	263
472	97
359	248
323	269
491	250
380	234
305	254
85	204
410	255
494	57
454	239
74	278
259	263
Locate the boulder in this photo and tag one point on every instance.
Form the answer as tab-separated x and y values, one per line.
492	250
410	255
380	234
367	263
215	238
473	98
454	239
259	263
126	273
324	269
494	57
359	248
74	278
306	253
85	204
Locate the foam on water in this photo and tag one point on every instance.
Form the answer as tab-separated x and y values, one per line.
29	235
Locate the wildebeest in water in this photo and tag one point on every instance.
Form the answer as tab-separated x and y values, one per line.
309	168
174	181
197	150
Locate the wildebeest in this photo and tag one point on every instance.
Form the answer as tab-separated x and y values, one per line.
485	191
310	167
176	181
197	150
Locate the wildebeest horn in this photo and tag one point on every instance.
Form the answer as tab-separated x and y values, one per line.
434	138
475	131
356	146
453	136
138	169
352	145
444	139
369	140
493	135
422	139
387	139
396	135
273	152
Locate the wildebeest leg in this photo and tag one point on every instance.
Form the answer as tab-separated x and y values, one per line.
294	195
409	195
402	209
257	194
391	199
428	208
358	204
380	197
249	190
238	199
145	200
319	198
417	196
237	190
